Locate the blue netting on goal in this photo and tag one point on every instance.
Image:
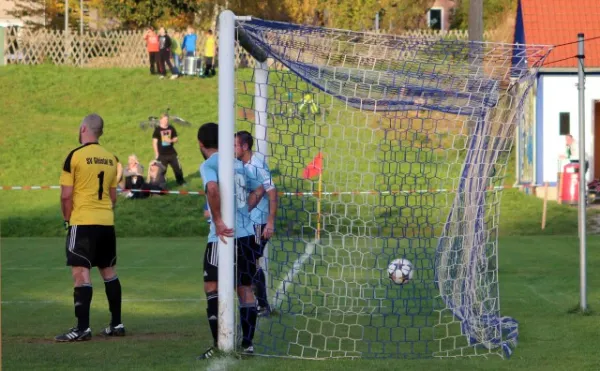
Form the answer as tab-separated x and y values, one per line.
416	135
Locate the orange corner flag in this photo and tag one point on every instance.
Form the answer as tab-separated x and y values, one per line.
314	168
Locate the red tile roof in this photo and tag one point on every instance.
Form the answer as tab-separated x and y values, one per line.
555	22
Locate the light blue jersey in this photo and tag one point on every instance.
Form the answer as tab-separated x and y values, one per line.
259	171
244	184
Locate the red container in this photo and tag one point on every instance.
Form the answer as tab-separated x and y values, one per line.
570	185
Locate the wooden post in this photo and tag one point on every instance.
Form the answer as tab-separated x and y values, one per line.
559	187
318	233
545	208
3	41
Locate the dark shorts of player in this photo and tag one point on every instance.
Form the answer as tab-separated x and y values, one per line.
260	241
245	261
91	246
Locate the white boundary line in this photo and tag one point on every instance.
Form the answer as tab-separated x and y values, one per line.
288	280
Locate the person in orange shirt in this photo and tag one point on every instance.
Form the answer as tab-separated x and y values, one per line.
152	45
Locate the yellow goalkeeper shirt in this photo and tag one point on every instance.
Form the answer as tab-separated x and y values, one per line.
91	170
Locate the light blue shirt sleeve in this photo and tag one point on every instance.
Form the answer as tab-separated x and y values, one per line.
209	173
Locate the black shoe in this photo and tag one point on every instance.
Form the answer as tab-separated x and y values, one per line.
74	334
118	330
209	353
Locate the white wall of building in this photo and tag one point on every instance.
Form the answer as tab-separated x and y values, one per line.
560	94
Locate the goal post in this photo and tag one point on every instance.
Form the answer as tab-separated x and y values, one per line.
409	140
226	249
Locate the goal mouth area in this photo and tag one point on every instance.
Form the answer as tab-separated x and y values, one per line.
416	135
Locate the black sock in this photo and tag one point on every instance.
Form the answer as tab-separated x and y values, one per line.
261	289
113	294
212	313
248	320
82	298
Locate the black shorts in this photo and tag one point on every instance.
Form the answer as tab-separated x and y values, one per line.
91	246
245	261
208	61
260	241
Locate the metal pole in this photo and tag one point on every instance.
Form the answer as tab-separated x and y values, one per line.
81	17
261	95
66	17
476	20
226	335
582	182
377	22
261	129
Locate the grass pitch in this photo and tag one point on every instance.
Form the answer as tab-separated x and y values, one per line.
164	310
164	306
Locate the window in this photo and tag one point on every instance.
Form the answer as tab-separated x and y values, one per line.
564	123
434	18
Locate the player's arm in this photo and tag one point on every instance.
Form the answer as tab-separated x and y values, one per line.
67	179
214	202
270	227
267	182
113	185
255	196
210	178
66	201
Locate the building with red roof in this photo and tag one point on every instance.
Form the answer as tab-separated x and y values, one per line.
553	109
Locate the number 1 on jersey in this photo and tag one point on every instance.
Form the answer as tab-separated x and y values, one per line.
100	184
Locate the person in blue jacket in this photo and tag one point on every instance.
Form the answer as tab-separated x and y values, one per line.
189	43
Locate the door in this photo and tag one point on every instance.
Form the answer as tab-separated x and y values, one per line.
596	165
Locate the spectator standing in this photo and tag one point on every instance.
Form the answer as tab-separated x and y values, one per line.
176	50
210	51
163	139
189	42
152	45
164	42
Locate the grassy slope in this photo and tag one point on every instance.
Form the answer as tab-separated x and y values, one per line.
40	122
168	334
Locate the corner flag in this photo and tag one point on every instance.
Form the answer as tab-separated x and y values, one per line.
314	168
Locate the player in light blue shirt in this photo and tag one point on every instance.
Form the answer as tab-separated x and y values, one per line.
248	193
263	215
244	183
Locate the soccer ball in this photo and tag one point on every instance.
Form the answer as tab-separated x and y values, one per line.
400	271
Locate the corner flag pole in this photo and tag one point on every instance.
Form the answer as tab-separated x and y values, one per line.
582	182
319	192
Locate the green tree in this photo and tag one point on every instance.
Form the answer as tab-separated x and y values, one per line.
493	11
141	13
49	13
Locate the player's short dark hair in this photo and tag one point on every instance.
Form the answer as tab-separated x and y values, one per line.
245	138
210	32
208	135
